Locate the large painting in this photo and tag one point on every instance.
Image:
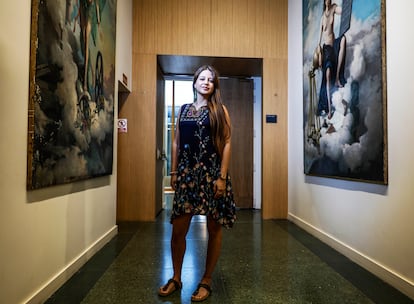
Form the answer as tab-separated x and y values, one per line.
344	89
71	95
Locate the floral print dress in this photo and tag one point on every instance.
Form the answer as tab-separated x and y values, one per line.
198	169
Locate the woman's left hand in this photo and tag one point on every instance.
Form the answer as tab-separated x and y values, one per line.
219	188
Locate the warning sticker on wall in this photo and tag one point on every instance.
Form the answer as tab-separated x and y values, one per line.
122	125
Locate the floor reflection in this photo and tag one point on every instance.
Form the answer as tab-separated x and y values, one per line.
262	262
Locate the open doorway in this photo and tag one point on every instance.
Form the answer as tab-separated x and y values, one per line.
241	87
177	93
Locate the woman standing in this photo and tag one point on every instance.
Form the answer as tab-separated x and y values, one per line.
199	177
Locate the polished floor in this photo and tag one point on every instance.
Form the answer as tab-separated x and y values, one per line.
271	261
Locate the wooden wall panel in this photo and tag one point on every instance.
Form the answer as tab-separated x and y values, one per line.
222	27
232	28
200	34
274	137
274	41
159	141
165	28
178	40
244	28
136	150
145	18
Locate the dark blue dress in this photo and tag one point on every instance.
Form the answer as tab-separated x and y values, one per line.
198	169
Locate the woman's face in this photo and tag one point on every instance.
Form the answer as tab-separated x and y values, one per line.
205	83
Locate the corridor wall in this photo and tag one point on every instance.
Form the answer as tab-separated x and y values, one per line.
46	235
371	224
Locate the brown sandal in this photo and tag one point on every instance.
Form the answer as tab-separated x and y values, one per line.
166	291
194	297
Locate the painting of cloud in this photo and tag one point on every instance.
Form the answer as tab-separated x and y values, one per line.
344	89
72	82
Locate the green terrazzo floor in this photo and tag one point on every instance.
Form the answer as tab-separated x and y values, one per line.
261	262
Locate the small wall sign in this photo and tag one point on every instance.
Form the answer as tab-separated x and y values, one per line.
122	125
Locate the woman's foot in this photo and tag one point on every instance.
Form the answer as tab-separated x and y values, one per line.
202	292
169	288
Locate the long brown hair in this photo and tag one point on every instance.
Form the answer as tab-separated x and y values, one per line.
220	125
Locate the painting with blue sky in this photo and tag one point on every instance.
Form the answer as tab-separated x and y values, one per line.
344	89
72	87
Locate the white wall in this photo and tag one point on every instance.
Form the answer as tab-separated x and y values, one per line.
47	234
124	43
371	224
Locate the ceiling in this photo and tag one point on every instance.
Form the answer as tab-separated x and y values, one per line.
172	65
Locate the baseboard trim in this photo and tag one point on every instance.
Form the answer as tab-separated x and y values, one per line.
44	293
394	279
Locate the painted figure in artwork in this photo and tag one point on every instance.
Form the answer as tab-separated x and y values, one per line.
331	57
89	19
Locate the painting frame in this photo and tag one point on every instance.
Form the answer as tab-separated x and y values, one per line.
345	94
71	91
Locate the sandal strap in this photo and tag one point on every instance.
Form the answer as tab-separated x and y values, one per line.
177	285
203	285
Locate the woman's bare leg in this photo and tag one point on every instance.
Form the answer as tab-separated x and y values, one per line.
215	236
181	225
